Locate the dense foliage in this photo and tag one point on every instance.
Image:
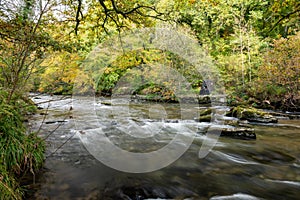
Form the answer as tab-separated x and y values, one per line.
240	35
278	79
254	43
149	60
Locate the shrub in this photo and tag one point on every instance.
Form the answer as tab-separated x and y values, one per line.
279	76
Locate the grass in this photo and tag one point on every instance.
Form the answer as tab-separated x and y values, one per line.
20	152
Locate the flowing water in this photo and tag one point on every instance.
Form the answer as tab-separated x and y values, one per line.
265	168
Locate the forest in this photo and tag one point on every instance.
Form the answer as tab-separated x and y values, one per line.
255	45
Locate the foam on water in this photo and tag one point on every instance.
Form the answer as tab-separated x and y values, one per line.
285	182
238	196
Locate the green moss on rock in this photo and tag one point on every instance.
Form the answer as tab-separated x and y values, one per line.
251	114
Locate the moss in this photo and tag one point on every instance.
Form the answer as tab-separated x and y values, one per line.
206	112
204	99
205	115
251	114
205	118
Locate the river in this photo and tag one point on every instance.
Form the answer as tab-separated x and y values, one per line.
265	168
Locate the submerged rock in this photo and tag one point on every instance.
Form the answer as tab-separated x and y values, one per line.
231	121
205	115
106	103
205	118
211	114
207	111
252	115
139	191
286	115
204	99
264	119
239	133
57	121
232	132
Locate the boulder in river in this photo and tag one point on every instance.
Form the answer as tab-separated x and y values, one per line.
252	115
239	133
204	99
205	115
233	132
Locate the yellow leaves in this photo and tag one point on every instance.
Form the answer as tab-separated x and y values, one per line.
192	1
61	68
108	70
281	69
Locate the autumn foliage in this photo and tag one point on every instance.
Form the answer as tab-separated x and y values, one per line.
278	80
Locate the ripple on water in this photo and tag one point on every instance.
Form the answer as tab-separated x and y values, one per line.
234	158
267	167
294	183
238	196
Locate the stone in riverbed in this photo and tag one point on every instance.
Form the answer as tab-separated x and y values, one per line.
233	132
106	103
251	115
205	115
57	121
205	118
239	133
231	121
209	115
204	99
264	119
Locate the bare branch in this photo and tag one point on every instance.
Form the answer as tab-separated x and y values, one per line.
78	13
114	13
285	17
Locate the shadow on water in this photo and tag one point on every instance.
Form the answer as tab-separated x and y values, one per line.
266	168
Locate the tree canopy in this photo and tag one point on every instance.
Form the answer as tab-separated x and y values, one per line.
235	33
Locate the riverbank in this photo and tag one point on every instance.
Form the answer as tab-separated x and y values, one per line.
21	151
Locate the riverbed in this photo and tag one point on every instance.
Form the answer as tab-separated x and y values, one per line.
265	168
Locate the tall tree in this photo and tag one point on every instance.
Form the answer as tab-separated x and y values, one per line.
22	41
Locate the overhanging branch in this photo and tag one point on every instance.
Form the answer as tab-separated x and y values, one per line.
285	17
114	12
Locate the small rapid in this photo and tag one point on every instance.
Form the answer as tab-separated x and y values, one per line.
265	168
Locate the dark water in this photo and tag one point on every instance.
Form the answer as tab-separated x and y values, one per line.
266	168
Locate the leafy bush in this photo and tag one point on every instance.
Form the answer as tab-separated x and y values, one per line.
279	75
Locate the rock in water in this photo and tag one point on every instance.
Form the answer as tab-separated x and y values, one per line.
263	119
204	99
252	115
205	115
239	133
233	132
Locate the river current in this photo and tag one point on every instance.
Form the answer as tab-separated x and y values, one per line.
265	168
